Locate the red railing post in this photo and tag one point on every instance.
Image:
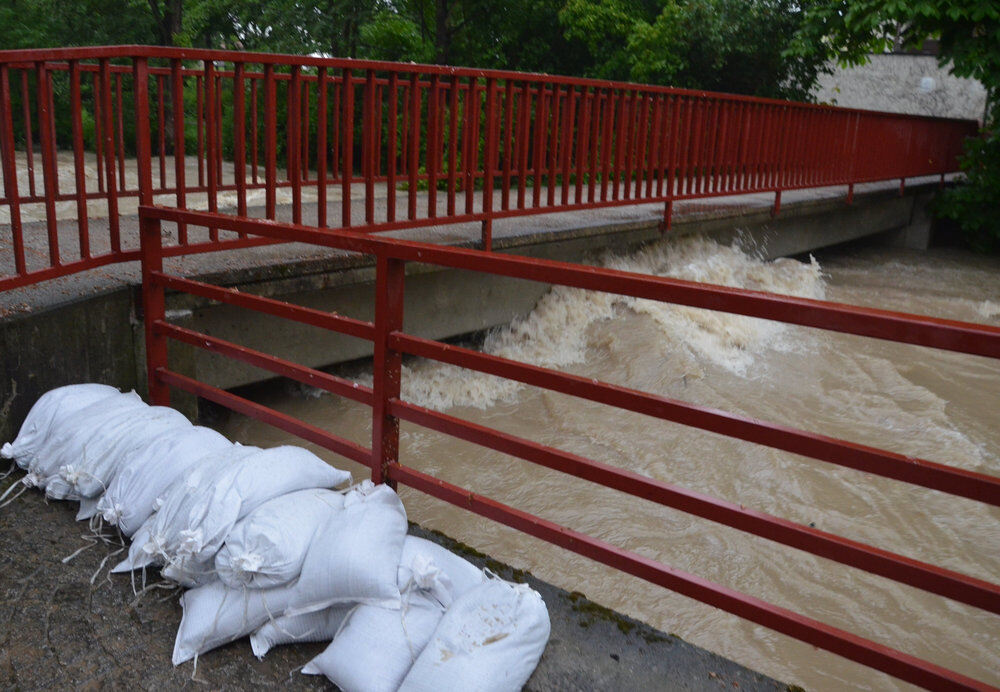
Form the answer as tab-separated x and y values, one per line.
150	241
387	365
153	309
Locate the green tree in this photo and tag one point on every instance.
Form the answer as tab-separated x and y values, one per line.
968	32
721	45
53	23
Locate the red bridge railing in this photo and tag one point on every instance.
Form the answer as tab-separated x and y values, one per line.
375	146
390	343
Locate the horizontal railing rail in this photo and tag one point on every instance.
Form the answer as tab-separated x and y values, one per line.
390	343
377	146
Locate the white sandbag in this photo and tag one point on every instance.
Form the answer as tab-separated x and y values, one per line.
52	407
137	558
436	571
376	647
152	540
233	493
489	640
88	507
320	626
130	497
66	442
113	446
355	556
214	615
267	547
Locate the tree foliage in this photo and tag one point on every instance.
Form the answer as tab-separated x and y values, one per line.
720	45
725	45
968	34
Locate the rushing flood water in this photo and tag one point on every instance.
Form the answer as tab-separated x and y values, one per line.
936	405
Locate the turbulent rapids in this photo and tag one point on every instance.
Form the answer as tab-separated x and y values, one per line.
936	405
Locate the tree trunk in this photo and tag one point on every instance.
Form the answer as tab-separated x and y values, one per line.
442	33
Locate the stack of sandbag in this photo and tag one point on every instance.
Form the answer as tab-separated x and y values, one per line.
352	558
198	512
269	548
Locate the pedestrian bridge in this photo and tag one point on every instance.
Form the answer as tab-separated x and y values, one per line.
220	152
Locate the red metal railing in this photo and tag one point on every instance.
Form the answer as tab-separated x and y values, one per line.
376	146
391	342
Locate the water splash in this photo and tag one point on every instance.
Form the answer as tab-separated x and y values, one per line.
555	333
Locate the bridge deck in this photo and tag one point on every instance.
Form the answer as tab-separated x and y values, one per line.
232	266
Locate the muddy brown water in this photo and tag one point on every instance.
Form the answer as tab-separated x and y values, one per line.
916	401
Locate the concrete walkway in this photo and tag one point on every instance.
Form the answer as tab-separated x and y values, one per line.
72	626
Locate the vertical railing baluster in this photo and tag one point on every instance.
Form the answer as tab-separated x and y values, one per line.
566	142
607	125
508	138
219	168
489	162
452	143
392	154
49	178
523	142
472	166
294	147
368	145
79	169
305	123
541	132
720	179
211	143
413	141
120	122
322	107
594	144
641	146
583	127
253	131
28	138
240	140
161	128
180	164
379	91
270	142
98	136
110	186
433	146
673	149
9	159
619	144
347	146
200	119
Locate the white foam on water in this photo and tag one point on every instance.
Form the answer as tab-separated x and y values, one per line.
555	333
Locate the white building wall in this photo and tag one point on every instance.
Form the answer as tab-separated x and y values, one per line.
903	84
